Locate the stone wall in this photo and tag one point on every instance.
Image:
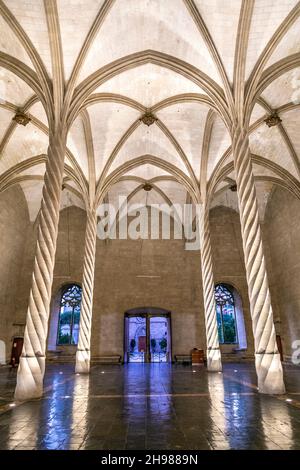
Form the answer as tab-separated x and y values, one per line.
68	266
282	233
14	221
157	273
228	262
129	274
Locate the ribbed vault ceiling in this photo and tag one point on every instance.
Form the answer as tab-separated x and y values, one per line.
108	62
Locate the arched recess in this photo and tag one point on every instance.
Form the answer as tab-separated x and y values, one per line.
172	170
53	344
158	219
230	317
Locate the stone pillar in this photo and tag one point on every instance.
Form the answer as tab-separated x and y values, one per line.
84	342
32	361
267	358
213	353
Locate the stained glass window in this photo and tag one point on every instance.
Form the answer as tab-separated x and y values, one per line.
225	315
69	315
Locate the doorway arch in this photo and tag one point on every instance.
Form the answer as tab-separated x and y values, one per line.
147	335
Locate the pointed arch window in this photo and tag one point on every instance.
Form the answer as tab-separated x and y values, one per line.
226	318
69	315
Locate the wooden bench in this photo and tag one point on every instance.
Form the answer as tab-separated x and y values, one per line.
183	359
238	350
108	359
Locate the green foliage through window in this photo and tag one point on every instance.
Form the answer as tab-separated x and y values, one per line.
163	344
153	344
225	310
69	315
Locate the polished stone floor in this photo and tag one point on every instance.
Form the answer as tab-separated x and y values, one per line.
151	406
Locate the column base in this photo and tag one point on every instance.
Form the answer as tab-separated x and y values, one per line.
214	363
30	376
269	373
82	362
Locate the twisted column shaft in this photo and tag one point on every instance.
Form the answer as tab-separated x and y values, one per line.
212	340
84	346
32	361
267	358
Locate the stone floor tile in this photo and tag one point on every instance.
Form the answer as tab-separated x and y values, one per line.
162	408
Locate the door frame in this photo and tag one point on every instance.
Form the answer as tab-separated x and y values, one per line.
147	312
16	350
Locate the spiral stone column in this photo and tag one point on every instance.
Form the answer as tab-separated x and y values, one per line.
32	361
213	353
84	341
267	358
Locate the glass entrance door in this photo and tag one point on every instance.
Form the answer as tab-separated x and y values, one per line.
137	339
147	338
159	339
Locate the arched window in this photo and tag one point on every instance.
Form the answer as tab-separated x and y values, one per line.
69	314
226	318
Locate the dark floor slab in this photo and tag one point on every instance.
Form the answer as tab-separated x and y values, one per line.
151	406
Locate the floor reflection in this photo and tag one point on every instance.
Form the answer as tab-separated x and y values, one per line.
151	406
277	424
241	410
22	428
56	412
217	434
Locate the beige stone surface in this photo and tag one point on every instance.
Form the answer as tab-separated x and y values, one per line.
178	287
282	232
198	37
118	282
228	260
13	226
187	63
